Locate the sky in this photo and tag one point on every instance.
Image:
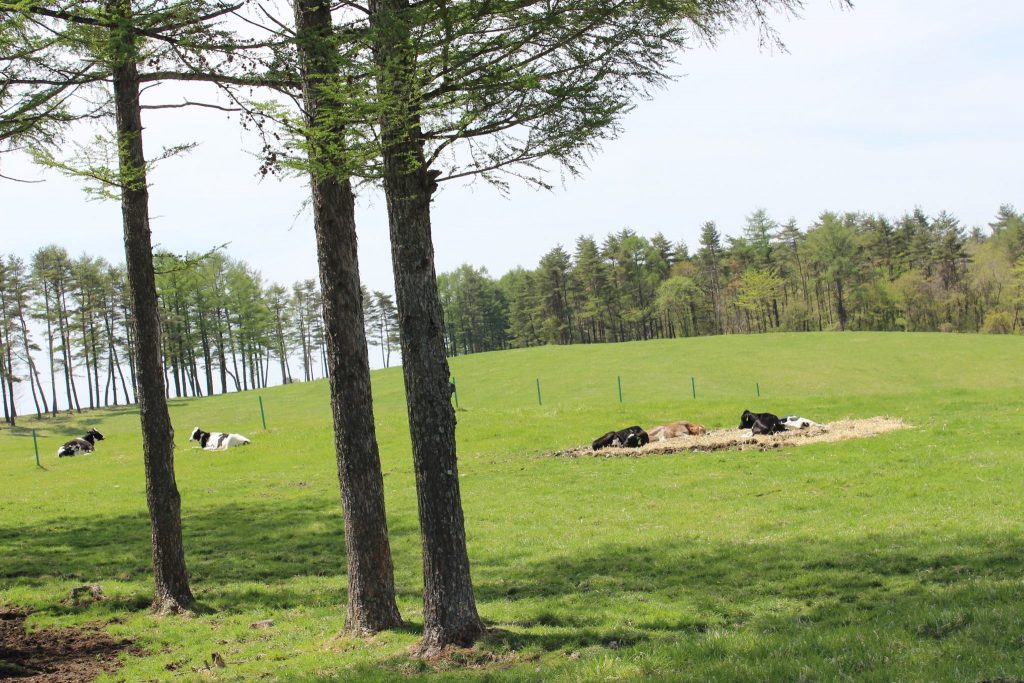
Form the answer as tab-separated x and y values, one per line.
893	105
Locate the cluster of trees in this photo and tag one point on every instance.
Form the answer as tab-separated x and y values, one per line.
66	322
392	91
851	271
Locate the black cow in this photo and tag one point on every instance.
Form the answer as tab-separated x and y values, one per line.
761	423
87	444
630	437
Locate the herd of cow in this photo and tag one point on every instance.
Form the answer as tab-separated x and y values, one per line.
630	437
757	423
209	441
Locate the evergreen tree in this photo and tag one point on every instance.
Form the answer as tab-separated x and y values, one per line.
709	256
833	247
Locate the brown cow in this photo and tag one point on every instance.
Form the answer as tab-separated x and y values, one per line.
676	429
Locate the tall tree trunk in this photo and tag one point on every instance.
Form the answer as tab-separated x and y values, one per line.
69	369
245	369
49	338
88	361
234	357
176	376
449	608
3	393
171	578
94	342
120	374
111	381
130	348
33	372
10	376
840	306
204	339
282	352
221	359
307	354
371	583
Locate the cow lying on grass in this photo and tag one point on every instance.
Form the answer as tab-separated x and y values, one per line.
630	437
761	423
86	444
217	441
796	422
676	429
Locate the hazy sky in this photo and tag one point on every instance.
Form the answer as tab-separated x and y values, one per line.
896	104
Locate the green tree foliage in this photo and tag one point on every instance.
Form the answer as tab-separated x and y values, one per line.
850	271
835	252
476	313
65	331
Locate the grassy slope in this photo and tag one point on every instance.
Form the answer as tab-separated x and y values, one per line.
892	558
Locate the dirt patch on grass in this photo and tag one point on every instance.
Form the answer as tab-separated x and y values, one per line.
59	655
741	440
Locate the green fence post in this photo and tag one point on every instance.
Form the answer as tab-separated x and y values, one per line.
455	393
539	402
620	388
35	443
758	385
263	415
693	386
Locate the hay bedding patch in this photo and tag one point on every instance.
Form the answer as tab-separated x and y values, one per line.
60	655
739	439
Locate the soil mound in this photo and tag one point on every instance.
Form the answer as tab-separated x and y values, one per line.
60	655
740	439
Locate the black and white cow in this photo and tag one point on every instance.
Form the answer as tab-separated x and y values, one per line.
630	437
797	422
217	441
761	423
86	444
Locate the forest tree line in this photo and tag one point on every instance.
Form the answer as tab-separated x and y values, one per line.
65	333
852	271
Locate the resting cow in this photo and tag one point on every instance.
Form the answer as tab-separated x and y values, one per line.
797	422
761	423
86	444
676	429
630	437
217	441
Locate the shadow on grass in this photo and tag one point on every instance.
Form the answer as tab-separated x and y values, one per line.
630	594
69	425
70	420
243	558
874	607
239	557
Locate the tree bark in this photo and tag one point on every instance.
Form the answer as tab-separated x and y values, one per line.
172	588
49	337
3	394
33	372
840	306
371	584
449	609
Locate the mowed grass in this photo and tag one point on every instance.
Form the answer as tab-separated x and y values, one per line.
894	558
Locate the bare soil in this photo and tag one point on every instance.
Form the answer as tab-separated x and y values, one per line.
60	655
741	440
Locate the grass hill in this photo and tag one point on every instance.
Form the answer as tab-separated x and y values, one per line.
899	557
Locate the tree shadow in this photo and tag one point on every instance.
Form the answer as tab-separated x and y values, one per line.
67	426
254	557
239	557
70	420
628	594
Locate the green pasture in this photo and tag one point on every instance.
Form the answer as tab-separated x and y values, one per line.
893	558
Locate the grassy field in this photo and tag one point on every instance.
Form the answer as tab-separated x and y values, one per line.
895	558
